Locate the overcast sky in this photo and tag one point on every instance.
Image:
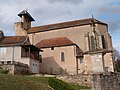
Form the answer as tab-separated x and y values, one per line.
53	11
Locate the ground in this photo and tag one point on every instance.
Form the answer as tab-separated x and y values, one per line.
19	82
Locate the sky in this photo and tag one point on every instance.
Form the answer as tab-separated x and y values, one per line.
54	11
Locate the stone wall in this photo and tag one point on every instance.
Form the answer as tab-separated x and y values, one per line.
82	79
15	68
105	81
21	69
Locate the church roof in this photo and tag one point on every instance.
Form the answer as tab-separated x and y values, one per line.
65	25
13	40
54	42
24	12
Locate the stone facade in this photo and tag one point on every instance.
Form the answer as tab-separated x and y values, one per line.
56	66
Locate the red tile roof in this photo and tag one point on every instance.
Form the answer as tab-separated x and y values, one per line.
64	25
54	42
11	40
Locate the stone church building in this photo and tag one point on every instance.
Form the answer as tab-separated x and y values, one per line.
73	47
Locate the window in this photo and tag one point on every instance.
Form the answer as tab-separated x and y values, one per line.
106	69
2	62
8	62
3	50
103	42
62	56
92	42
81	61
52	48
40	58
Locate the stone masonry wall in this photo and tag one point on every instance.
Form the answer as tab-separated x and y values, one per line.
105	81
16	68
78	79
108	81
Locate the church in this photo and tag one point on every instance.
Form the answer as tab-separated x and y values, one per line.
74	47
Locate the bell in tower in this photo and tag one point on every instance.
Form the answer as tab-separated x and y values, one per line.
25	24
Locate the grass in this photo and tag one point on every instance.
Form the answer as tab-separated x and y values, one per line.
59	84
14	82
3	71
17	82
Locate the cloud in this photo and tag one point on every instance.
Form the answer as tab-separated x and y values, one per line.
110	13
51	14
109	9
52	11
66	1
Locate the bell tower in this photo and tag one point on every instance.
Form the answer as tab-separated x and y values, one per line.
25	23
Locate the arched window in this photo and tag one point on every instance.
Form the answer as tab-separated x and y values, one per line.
62	56
92	42
103	42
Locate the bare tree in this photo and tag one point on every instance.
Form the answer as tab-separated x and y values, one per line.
116	59
116	54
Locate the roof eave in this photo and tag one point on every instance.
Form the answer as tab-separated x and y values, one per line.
29	32
58	46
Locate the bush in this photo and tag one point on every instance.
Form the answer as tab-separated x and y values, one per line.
59	84
3	71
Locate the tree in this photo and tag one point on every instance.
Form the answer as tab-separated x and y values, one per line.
116	60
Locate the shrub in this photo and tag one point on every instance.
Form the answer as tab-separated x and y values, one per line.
3	71
59	84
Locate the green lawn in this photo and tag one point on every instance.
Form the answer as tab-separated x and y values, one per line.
17	82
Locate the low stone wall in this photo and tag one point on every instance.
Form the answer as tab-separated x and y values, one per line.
105	81
78	79
10	68
21	69
15	68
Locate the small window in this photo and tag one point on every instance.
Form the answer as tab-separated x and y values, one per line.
2	62
52	48
8	62
106	69
62	56
81	61
40	58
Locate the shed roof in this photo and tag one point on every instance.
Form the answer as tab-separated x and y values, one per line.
55	42
14	40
